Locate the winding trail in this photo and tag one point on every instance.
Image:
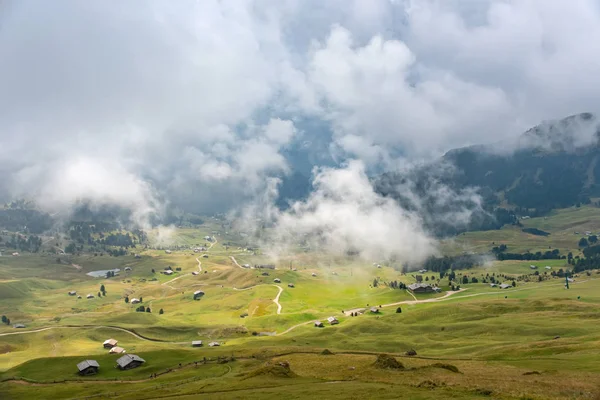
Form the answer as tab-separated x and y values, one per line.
411	293
235	262
276	299
86	326
199	264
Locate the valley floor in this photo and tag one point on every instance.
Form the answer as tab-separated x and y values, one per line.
537	340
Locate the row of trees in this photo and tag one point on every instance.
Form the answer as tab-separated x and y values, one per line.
30	243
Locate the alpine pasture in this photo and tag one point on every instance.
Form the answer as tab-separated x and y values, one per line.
535	340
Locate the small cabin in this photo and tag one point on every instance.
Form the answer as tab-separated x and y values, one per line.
127	269
72	293
313	274
374	310
90	296
277	280
197	343
204	255
198	294
291	285
117	350
333	321
214	344
18	326
88	367
129	361
109	343
168	272
195	273
134	301
505	286
318	324
168	251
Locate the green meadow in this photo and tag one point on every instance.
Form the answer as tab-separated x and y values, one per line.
537	340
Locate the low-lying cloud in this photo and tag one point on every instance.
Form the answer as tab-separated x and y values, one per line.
198	104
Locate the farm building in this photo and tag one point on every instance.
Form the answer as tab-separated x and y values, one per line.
138	256
127	269
265	274
168	251
548	267
291	285
205	255
90	296
72	293
505	286
88	367
265	266
313	274
493	285
109	343
134	301
318	324
277	280
246	265
197	343
18	326
333	321
421	288
374	310
168	272
79	297
15	254
195	273
117	350
533	266
198	294
214	344
129	361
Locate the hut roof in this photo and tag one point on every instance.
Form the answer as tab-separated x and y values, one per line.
117	350
86	364
128	358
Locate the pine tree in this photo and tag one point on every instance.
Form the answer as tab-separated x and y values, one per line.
161	312
126	299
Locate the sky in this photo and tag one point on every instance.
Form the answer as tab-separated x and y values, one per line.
143	104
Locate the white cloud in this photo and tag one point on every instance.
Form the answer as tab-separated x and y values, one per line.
199	101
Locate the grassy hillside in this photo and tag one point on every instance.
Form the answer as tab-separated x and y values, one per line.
561	224
536	340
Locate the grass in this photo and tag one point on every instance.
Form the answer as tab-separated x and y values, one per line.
479	343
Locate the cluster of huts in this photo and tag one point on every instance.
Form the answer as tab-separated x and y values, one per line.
125	362
331	320
198	343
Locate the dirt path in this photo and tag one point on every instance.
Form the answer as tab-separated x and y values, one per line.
432	300
276	299
235	262
82	326
411	293
199	265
